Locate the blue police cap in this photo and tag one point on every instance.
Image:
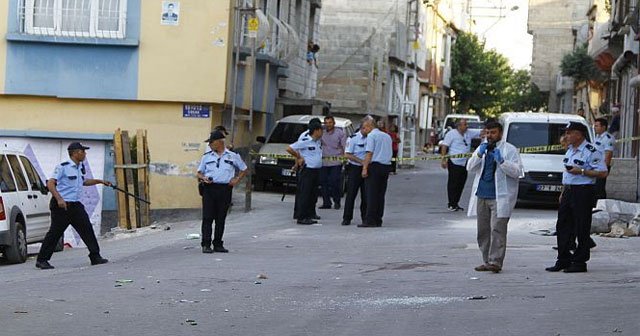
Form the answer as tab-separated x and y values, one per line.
76	145
215	135
576	126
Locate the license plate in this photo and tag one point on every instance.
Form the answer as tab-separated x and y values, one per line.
288	172
549	188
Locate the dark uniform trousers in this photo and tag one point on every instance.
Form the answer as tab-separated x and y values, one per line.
375	189
307	193
455	183
355	183
77	217
216	199
574	220
330	179
297	202
601	188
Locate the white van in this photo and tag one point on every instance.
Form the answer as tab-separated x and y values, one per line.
542	181
285	132
449	122
24	206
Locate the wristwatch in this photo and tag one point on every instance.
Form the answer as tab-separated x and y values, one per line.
582	170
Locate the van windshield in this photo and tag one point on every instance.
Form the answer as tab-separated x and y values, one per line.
286	133
528	134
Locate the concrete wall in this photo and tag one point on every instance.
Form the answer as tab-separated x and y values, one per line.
622	183
175	143
551	22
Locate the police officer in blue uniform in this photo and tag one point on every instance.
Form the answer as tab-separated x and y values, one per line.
355	152
375	170
604	143
66	188
304	136
583	163
308	154
217	175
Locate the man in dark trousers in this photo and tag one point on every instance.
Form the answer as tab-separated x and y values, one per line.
375	170
457	141
604	142
584	164
66	187
304	136
217	173
355	152
308	155
333	144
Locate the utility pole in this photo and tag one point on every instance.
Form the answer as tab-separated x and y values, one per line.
244	13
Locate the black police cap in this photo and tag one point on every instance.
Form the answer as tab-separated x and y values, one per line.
215	135
576	126
76	145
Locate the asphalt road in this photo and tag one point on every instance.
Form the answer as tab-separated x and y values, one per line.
414	276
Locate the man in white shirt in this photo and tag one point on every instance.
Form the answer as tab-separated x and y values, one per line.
456	141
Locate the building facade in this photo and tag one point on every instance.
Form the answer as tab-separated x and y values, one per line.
555	25
77	71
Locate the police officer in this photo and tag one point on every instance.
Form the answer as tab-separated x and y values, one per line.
355	152
308	155
304	136
583	163
66	187
604	143
375	170
217	173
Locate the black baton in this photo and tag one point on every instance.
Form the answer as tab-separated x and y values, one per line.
129	194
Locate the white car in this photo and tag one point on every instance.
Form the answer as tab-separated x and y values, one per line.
285	132
542	181
24	206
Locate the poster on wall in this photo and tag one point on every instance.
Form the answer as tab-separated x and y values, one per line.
45	154
170	13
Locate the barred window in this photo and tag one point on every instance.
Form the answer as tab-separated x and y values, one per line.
74	18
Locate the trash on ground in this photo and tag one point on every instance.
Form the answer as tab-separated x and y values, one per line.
473	278
477	297
205	290
193	236
226	310
20	312
124	281
167	228
262	276
257	283
191	322
188	248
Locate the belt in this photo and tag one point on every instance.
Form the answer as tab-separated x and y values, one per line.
216	184
578	186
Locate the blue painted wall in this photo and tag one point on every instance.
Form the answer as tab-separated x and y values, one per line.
73	68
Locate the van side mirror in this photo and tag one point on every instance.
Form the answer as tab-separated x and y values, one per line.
261	139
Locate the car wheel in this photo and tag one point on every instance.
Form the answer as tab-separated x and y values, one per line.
17	252
60	245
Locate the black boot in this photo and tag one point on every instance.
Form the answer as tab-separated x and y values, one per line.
218	247
559	266
44	265
207	249
98	261
576	268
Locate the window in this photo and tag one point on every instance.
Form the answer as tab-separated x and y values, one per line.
523	134
74	18
34	178
6	179
21	180
287	133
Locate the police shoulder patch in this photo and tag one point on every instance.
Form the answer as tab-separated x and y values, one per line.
209	152
608	136
66	163
591	148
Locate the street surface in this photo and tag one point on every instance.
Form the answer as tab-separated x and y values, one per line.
413	276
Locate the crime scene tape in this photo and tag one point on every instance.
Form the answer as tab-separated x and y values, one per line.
523	150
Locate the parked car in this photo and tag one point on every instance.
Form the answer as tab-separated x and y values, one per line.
542	180
24	206
285	132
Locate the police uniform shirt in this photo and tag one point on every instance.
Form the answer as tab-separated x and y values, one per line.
69	179
310	150
356	145
604	142
221	168
304	136
379	144
586	157
459	144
